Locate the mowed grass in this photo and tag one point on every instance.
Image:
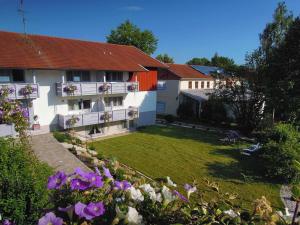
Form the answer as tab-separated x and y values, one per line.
187	154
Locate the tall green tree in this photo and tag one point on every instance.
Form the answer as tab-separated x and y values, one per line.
260	60
129	34
199	61
165	58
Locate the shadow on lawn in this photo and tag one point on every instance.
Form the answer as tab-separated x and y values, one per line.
242	169
183	133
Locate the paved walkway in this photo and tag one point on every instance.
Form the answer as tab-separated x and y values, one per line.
49	150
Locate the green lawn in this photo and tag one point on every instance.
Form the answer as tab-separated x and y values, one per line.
187	154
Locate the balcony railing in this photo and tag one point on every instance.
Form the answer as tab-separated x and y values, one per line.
21	90
92	118
95	88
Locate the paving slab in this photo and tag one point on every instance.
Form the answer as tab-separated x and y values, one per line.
49	150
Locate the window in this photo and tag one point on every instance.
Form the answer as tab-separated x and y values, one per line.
4	76
78	104
202	84
161	85
190	84
78	76
18	76
113	101
7	76
160	107
208	84
196	84
114	76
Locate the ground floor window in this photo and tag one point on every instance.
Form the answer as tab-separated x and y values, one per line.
78	104
160	107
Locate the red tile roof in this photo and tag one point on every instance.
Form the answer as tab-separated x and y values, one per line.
43	52
184	71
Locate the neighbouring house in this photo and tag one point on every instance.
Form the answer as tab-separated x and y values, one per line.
180	84
102	87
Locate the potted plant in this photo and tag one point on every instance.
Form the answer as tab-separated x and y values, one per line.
133	87
106	117
28	90
70	89
104	88
36	124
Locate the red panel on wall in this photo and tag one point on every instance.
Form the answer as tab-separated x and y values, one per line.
147	80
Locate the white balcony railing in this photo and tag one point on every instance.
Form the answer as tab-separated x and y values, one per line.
92	118
21	90
95	88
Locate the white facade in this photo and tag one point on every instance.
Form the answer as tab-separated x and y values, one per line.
169	90
49	104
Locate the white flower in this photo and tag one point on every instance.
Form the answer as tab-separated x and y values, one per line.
231	213
170	182
190	191
151	192
136	194
168	196
133	217
158	197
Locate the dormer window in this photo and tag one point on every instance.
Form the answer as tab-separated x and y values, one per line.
12	76
78	76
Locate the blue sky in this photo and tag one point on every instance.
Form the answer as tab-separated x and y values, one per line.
185	29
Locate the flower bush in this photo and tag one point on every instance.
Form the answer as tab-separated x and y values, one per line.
6	91
133	87
106	116
70	89
28	90
101	197
104	88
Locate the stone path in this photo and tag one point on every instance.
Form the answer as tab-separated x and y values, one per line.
285	195
49	150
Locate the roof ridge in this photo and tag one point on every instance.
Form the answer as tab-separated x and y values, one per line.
64	38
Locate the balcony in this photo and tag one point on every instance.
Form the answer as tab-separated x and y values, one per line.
95	88
92	118
21	90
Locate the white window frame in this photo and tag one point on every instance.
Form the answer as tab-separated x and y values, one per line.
161	85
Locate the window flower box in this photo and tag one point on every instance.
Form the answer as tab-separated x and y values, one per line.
6	91
133	87
28	90
104	88
70	89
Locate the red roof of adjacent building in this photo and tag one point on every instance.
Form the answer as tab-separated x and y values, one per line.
181	71
44	52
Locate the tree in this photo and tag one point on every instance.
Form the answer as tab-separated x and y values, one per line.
244	98
165	58
261	59
199	61
224	62
129	34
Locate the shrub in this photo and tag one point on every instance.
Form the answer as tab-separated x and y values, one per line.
213	110
100	197
22	184
281	153
185	111
169	118
62	137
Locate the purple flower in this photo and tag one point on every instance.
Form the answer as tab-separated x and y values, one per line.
78	184
180	196
122	185
25	113
95	180
187	187
89	211
57	180
50	218
7	222
107	173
